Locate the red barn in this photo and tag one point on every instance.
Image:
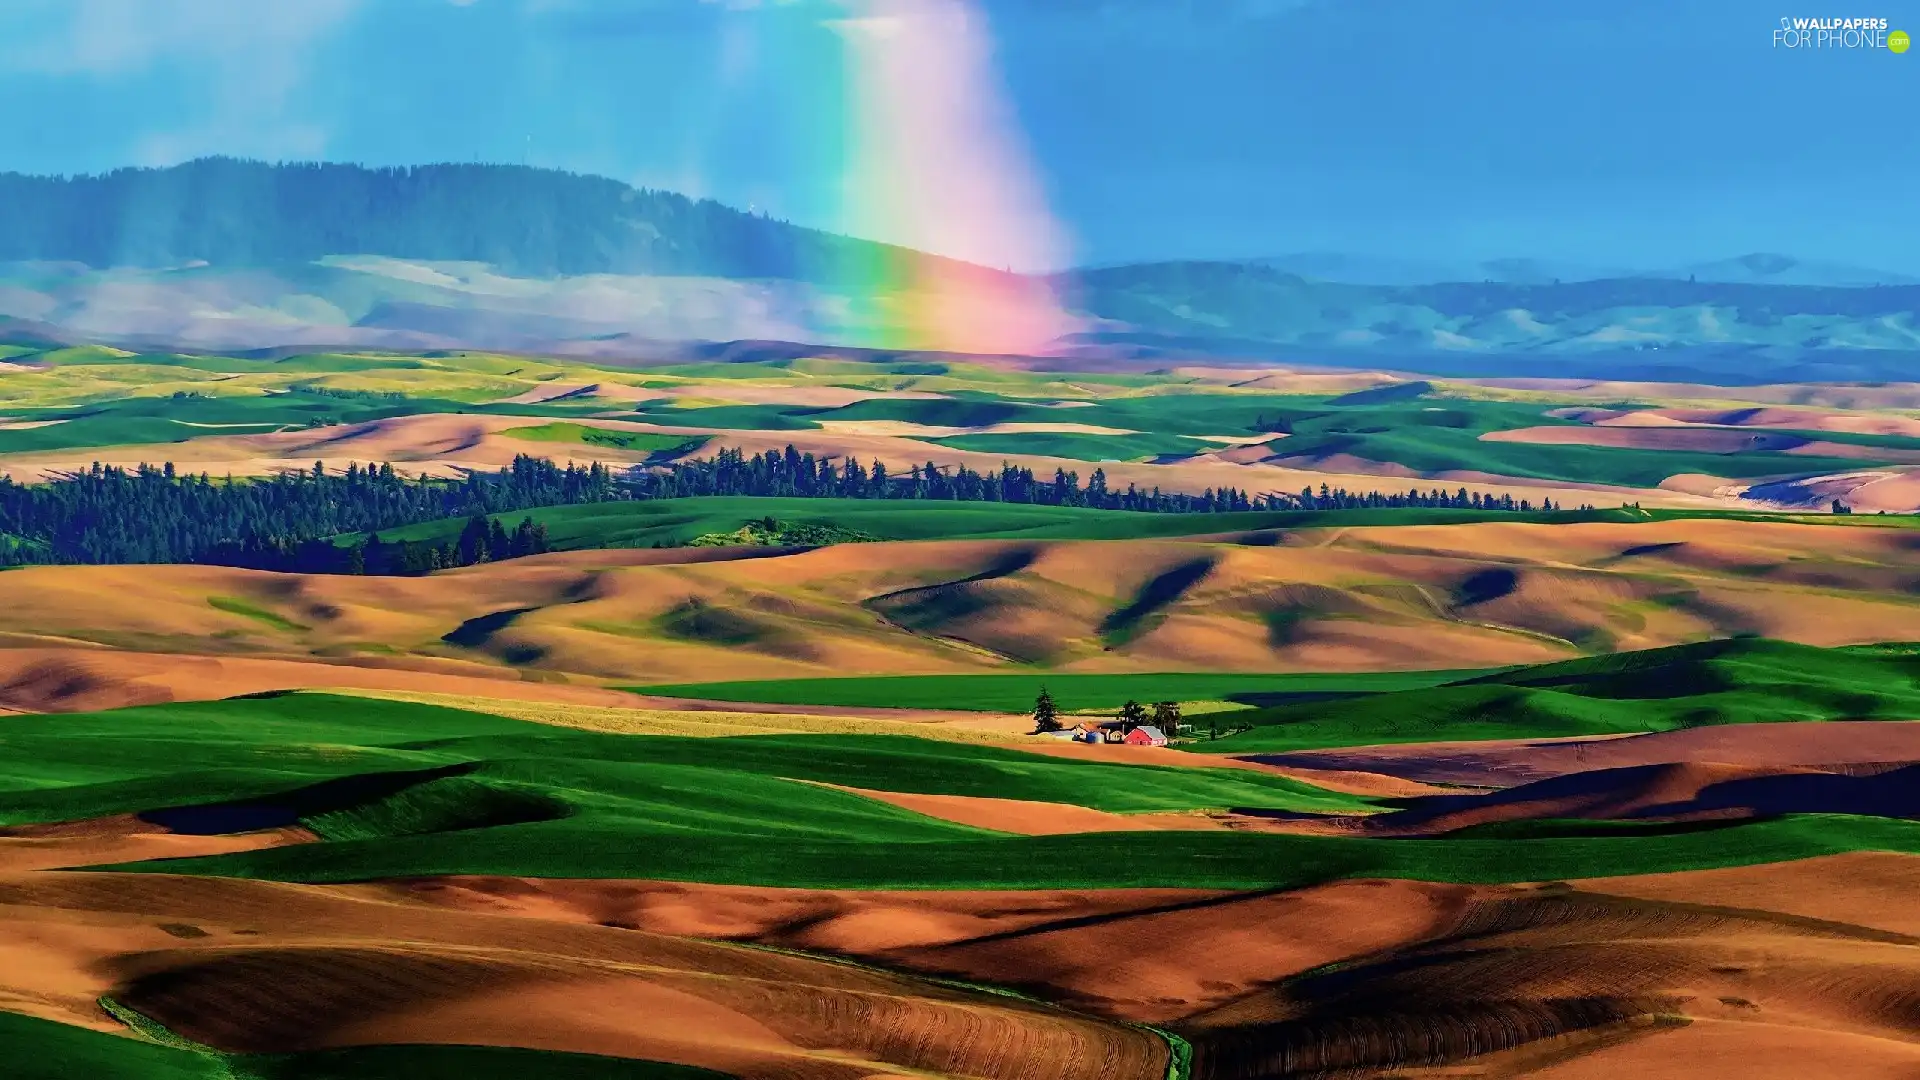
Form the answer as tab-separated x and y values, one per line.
1146	735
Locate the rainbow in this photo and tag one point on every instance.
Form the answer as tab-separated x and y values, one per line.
936	161
924	152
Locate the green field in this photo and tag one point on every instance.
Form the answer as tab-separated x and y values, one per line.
1192	860
977	410
42	1050
1424	432
675	522
1016	693
398	790
233	605
87	765
194	414
402	790
1739	681
730	417
1081	447
106	398
103	398
1436	435
585	435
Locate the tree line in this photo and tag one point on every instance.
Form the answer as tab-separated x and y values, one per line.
1163	715
793	474
153	514
156	515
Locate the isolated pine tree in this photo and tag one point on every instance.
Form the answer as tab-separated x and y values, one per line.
1046	716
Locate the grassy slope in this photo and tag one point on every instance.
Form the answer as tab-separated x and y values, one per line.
731	417
1715	682
43	1050
1016	693
105	399
582	434
1434	436
135	420
675	521
86	765
1430	435
1080	447
1211	860
425	790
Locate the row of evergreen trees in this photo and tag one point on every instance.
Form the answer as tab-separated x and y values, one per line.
482	540
793	474
155	515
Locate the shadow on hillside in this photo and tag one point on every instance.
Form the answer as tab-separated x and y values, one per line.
286	809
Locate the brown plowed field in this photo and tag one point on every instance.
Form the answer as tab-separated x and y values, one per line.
1494	981
1364	977
1501	764
1676	791
263	967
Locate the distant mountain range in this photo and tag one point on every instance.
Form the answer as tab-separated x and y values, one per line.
1640	328
222	254
1754	269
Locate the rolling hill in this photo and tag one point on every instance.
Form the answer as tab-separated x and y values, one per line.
524	222
1731	681
1339	599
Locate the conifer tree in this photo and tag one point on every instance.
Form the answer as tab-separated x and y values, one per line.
1046	716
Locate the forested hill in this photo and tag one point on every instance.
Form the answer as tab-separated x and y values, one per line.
534	222
152	515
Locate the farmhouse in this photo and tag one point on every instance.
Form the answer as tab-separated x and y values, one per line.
1116	731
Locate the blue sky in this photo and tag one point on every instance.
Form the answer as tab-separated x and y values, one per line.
1620	132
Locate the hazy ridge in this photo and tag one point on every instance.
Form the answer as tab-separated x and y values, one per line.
229	254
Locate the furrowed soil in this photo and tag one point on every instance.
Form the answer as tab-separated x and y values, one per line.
1369	978
1363	978
1500	764
255	967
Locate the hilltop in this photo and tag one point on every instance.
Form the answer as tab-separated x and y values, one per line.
520	221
